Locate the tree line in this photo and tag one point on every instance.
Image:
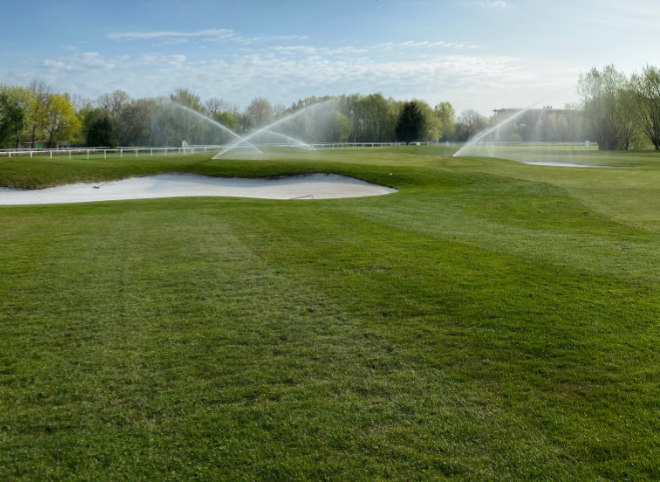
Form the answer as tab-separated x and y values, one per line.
622	111
616	111
34	116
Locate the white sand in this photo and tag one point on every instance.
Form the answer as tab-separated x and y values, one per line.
313	186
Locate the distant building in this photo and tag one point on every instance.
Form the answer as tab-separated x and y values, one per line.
540	124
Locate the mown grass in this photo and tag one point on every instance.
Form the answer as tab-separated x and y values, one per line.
489	321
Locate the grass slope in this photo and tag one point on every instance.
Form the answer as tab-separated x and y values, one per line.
490	320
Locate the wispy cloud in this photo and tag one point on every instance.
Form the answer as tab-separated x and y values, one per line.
495	4
284	74
618	12
285	69
324	51
215	34
411	44
210	35
83	62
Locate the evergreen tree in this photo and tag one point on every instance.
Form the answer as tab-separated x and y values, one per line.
99	133
411	124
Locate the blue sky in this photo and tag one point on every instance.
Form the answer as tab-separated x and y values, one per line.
476	54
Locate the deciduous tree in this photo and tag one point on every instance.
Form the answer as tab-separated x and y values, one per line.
258	114
445	114
607	108
371	120
433	126
134	123
188	99
469	123
12	115
37	97
340	128
114	103
62	123
645	91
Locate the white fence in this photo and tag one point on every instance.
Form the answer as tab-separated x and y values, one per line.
122	152
104	152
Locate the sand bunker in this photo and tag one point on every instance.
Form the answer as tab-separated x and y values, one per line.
313	186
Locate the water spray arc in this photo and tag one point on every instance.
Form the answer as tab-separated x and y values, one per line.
293	140
475	140
485	133
270	126
244	141
214	123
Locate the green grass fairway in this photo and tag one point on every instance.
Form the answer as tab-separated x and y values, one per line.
491	320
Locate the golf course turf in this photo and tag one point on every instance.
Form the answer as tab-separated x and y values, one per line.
490	320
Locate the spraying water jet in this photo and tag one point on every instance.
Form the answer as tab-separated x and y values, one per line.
268	129
202	117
